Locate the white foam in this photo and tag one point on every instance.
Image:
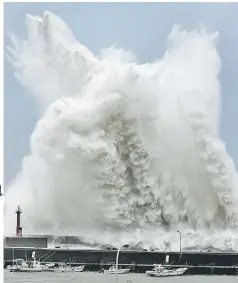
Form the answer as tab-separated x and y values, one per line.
122	146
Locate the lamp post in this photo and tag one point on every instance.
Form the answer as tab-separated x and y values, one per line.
124	246
180	243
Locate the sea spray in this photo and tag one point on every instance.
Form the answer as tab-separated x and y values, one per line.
124	152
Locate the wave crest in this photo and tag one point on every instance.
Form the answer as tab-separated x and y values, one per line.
122	146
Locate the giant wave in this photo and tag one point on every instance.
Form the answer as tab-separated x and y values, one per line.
124	152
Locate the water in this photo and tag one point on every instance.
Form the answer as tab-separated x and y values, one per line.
124	152
89	277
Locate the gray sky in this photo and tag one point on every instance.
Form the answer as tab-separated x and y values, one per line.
139	27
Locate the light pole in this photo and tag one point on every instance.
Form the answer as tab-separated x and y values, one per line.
180	243
124	246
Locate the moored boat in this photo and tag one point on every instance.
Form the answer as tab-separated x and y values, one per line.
20	265
160	271
69	268
114	270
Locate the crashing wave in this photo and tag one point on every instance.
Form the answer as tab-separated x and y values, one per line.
123	147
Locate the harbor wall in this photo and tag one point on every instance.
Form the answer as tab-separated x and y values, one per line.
126	257
34	242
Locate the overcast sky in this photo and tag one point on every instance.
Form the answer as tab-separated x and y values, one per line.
140	27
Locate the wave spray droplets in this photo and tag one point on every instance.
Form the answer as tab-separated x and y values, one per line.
124	152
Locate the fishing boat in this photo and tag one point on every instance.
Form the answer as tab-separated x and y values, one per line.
161	271
114	270
68	268
20	265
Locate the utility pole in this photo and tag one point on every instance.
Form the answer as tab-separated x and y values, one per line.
180	243
117	257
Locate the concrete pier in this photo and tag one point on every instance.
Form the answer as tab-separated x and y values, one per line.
33	242
139	261
95	259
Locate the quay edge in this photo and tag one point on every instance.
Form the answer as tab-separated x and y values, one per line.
139	261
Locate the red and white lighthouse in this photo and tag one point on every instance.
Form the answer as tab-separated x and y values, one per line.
18	227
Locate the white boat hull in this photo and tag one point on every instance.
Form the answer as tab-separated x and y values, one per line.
119	271
166	272
17	269
45	269
69	269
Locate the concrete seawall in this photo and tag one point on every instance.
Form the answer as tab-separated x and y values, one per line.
139	261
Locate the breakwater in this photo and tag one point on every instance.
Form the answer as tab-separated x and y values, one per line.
139	261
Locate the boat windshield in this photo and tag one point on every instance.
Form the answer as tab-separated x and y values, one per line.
18	261
158	267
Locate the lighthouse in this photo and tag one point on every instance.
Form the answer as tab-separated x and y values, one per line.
18	227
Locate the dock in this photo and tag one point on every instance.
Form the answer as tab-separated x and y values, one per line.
198	263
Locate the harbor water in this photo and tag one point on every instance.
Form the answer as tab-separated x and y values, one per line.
94	277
